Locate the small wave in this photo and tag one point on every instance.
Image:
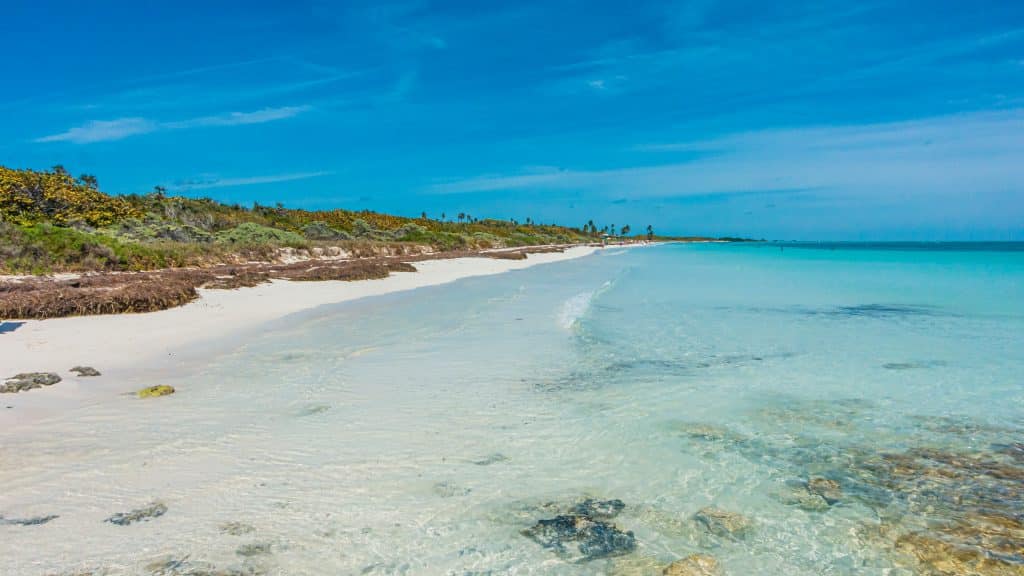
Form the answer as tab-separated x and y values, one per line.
574	308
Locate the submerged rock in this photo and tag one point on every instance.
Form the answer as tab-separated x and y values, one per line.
237	528
723	523
34	521
156	391
913	365
85	371
254	549
710	433
186	567
694	565
592	539
802	498
313	409
598	509
29	381
584	533
491	459
449	490
936	555
154	510
828	490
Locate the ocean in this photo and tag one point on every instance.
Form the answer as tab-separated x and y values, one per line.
787	409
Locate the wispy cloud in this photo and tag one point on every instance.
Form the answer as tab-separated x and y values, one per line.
959	155
109	130
212	182
102	131
240	118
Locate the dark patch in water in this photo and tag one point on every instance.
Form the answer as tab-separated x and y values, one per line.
680	366
313	409
884	310
584	533
254	549
491	459
34	521
914	365
449	490
954	511
599	509
154	510
880	311
655	364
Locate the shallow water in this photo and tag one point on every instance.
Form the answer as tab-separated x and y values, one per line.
423	432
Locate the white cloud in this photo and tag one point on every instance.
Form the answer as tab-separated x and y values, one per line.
102	130
247	181
108	130
240	118
958	155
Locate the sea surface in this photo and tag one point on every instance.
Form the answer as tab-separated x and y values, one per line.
788	409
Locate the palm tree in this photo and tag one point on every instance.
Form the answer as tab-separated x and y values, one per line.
423	215
650	232
462	216
159	192
625	230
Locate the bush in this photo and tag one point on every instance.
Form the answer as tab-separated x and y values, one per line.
30	197
254	234
411	232
43	248
155	229
319	230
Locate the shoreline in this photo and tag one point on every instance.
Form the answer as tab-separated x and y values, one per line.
119	344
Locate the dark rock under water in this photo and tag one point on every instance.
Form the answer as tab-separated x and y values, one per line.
28	381
584	533
947	502
154	510
34	521
85	371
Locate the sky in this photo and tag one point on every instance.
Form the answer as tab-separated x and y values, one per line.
815	120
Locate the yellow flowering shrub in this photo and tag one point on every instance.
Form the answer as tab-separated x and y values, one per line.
30	196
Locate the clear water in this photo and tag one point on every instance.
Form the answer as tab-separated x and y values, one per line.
422	432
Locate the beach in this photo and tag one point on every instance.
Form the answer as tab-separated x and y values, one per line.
163	340
823	409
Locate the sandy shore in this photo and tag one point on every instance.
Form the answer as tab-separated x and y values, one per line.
120	345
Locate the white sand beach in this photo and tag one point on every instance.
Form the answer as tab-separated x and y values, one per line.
122	343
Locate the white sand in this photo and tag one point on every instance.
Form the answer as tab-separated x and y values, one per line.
123	344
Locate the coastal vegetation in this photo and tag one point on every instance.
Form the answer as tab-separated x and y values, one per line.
152	251
51	221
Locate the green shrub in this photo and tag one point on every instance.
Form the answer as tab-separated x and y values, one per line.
154	229
319	230
44	248
249	233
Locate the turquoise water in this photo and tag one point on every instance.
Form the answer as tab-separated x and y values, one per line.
425	432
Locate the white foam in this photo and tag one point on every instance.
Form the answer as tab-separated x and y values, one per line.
574	308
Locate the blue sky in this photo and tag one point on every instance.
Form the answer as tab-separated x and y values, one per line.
798	120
